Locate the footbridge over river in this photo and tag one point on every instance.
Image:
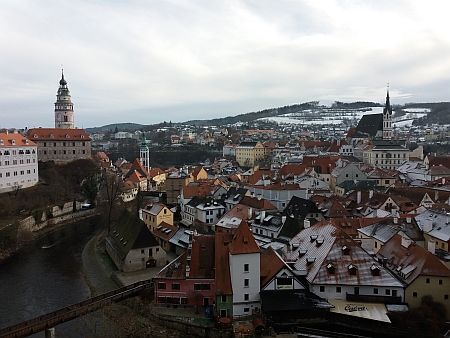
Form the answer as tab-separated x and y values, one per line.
50	320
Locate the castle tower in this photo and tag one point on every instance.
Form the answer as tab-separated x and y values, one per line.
387	119
144	154
63	106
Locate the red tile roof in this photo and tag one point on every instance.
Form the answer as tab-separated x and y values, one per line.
14	140
295	169
52	134
137	165
243	241
190	191
415	257
261	204
270	265
155	172
162	233
136	177
222	263
202	257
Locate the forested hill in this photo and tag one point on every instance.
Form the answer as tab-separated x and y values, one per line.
439	114
248	117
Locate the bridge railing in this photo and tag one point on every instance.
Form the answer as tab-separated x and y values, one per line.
73	311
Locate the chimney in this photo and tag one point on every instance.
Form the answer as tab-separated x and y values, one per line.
370	193
408	220
358	196
306	223
443	180
250	213
428	225
406	241
283	219
262	215
395	220
431	246
338	142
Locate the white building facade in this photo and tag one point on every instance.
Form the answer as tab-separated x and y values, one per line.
18	162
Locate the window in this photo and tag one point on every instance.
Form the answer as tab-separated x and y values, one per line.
183	300
445	297
161	286
428	281
440	281
375	291
246	297
246	309
161	300
224	299
322	288
175	286
246	268
142	251
388	292
414	294
197	286
206	286
246	282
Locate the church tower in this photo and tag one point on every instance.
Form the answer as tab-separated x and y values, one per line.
387	119
144	154
63	107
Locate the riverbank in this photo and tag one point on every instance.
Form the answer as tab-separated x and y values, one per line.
13	237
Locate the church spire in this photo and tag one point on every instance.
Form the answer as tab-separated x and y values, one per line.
387	117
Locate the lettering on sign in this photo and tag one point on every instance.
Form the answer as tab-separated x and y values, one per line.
353	308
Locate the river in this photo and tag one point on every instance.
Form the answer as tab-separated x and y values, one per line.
46	275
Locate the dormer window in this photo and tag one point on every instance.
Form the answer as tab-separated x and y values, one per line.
1	142
67	136
82	136
301	252
345	250
310	260
51	136
26	141
13	141
375	270
319	241
352	269
314	237
331	269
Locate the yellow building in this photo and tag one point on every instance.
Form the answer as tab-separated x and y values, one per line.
154	214
422	273
199	174
247	153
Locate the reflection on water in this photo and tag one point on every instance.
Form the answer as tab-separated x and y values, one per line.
46	275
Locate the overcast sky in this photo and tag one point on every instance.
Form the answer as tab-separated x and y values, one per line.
149	61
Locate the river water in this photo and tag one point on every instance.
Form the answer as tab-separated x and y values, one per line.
46	275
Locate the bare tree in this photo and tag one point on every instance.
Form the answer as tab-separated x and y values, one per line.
112	188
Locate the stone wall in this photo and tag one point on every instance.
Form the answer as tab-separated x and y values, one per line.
29	224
